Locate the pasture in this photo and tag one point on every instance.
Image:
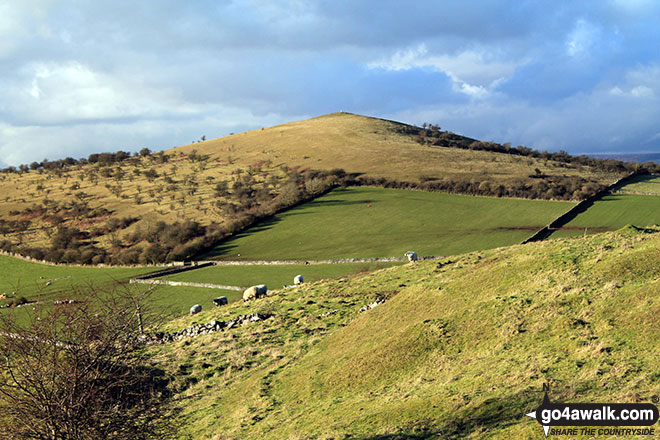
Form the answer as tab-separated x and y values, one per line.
426	361
613	212
375	222
41	282
175	301
275	276
35	280
643	185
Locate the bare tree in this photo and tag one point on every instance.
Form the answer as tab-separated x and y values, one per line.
78	371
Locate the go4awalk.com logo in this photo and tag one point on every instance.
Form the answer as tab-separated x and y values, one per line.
621	419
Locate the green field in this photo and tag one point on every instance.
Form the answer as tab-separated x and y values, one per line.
175	301
33	280
643	185
612	212
276	276
30	280
376	222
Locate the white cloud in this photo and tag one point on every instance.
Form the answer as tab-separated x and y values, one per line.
617	119
582	38
20	20
69	92
641	82
635	6
642	92
28	143
474	72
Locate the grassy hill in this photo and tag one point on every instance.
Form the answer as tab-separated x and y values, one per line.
115	208
376	148
460	349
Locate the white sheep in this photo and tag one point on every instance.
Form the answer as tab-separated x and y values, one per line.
412	256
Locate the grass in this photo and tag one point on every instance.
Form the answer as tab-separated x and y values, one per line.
40	282
461	349
273	276
644	185
173	302
35	280
612	212
376	222
46	283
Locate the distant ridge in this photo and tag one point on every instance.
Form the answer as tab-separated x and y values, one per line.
632	157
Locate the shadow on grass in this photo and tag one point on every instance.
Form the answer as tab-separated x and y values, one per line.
638	179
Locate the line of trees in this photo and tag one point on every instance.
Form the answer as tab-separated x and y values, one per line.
243	206
102	159
430	134
549	188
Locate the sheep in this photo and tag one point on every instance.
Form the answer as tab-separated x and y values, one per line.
298	279
195	309
255	292
220	301
412	256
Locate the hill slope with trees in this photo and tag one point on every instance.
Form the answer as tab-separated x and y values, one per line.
149	207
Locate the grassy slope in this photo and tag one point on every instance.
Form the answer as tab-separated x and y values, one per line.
359	144
461	349
376	222
273	276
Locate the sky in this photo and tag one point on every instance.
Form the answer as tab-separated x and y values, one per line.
78	77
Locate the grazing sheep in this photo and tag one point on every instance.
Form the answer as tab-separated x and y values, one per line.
220	301
250	293
255	292
412	256
195	309
298	279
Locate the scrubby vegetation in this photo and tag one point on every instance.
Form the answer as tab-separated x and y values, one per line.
430	134
77	372
545	188
80	233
